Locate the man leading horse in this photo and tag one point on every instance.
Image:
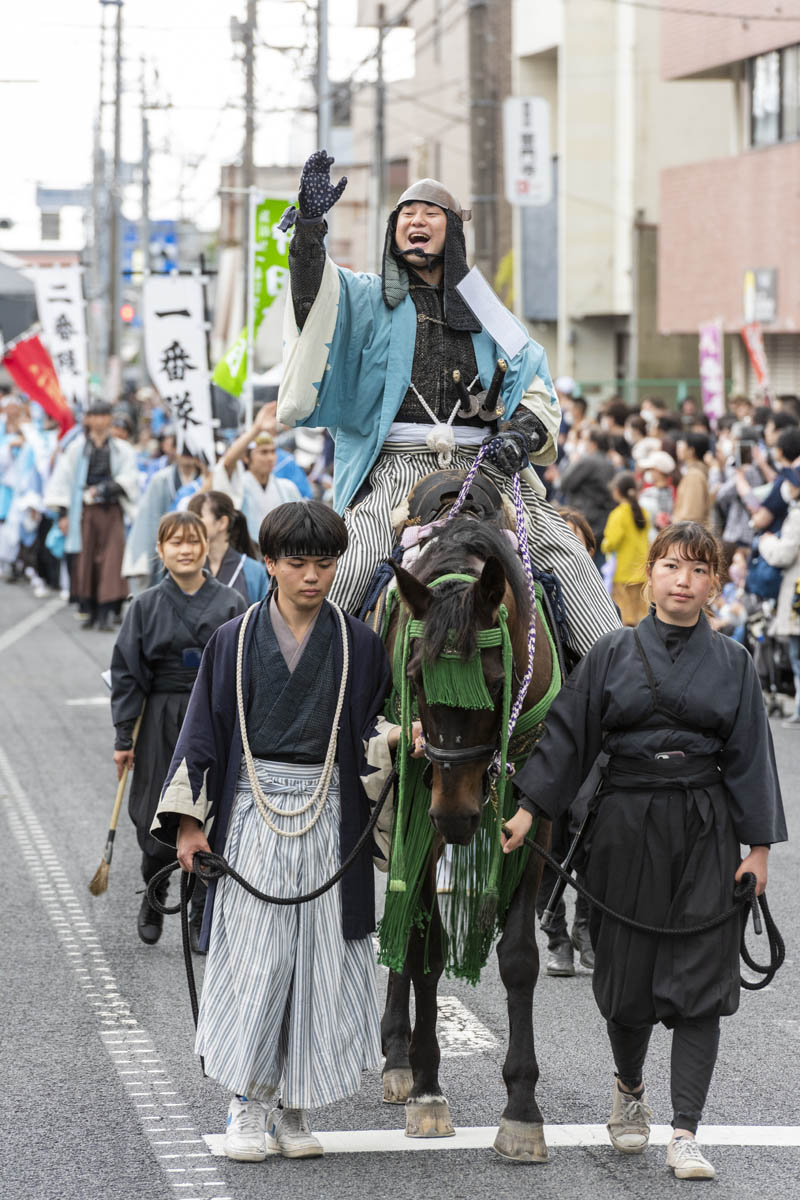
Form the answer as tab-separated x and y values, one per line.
373	357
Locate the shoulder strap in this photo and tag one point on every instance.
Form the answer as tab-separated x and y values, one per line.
237	572
648	670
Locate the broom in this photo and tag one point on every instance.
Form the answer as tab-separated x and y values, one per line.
99	882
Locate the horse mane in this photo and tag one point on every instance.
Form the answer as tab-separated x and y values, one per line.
449	550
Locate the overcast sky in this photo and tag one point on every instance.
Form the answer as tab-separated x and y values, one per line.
48	123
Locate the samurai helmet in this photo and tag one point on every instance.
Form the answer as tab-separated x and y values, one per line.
430	191
394	273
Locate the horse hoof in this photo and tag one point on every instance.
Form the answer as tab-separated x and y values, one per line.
428	1118
521	1141
397	1085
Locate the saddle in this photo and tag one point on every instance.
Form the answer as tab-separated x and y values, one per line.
432	497
428	502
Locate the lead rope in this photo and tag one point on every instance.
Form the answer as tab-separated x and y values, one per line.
320	796
525	555
500	768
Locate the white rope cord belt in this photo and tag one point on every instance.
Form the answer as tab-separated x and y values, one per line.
320	796
440	438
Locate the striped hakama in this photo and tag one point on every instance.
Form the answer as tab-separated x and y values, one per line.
289	1008
553	546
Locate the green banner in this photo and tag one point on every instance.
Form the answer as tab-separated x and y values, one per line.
271	271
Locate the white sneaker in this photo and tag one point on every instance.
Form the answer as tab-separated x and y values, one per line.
289	1133
629	1123
245	1131
687	1160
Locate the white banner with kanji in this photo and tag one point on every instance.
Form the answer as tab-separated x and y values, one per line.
60	304
176	354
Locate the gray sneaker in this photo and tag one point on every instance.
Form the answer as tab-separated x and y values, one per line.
289	1133
687	1161
560	959
629	1123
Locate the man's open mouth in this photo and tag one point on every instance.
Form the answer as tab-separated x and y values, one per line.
418	239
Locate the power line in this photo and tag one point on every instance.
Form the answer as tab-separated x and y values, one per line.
746	18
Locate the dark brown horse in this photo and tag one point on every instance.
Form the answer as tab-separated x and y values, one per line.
461	744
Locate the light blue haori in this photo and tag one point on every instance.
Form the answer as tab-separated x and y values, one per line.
360	370
67	484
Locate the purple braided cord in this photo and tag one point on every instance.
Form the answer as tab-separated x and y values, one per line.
525	555
524	551
467	484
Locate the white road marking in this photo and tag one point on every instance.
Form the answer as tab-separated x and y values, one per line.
121	1035
89	702
460	1033
30	622
477	1137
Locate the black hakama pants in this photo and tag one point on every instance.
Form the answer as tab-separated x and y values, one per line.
666	857
163	717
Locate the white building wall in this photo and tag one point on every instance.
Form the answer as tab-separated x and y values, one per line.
616	124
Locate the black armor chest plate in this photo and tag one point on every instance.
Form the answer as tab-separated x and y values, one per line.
438	351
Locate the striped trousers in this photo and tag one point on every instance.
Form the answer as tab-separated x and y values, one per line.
553	546
289	1008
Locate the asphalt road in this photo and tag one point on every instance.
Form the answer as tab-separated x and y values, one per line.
101	1094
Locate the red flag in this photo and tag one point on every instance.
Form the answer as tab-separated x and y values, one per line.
754	341
31	368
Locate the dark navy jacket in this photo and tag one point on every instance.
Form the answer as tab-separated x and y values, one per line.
210	745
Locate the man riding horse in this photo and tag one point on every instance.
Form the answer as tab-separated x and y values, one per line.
373	359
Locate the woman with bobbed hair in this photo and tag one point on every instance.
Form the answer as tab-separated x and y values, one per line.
153	668
690	779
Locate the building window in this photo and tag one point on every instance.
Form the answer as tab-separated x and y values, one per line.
775	97
765	99
50	225
790	92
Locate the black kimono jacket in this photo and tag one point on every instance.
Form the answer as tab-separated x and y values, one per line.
665	843
205	766
155	662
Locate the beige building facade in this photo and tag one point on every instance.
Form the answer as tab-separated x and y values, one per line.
730	233
586	267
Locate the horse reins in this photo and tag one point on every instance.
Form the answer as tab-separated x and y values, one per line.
744	897
209	867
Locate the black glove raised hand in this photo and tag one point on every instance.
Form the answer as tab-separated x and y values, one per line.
317	194
507	452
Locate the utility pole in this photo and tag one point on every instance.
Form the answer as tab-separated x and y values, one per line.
248	177
482	126
249	94
324	105
114	374
144	221
98	291
379	149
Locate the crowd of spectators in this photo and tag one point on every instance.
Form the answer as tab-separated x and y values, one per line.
631	471
79	513
623	473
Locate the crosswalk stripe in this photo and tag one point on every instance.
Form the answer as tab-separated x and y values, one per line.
477	1137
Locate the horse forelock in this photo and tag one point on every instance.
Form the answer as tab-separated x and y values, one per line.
463	546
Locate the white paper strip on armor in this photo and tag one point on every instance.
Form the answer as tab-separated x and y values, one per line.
177	357
488	308
60	305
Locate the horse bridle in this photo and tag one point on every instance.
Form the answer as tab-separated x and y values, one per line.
446	757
